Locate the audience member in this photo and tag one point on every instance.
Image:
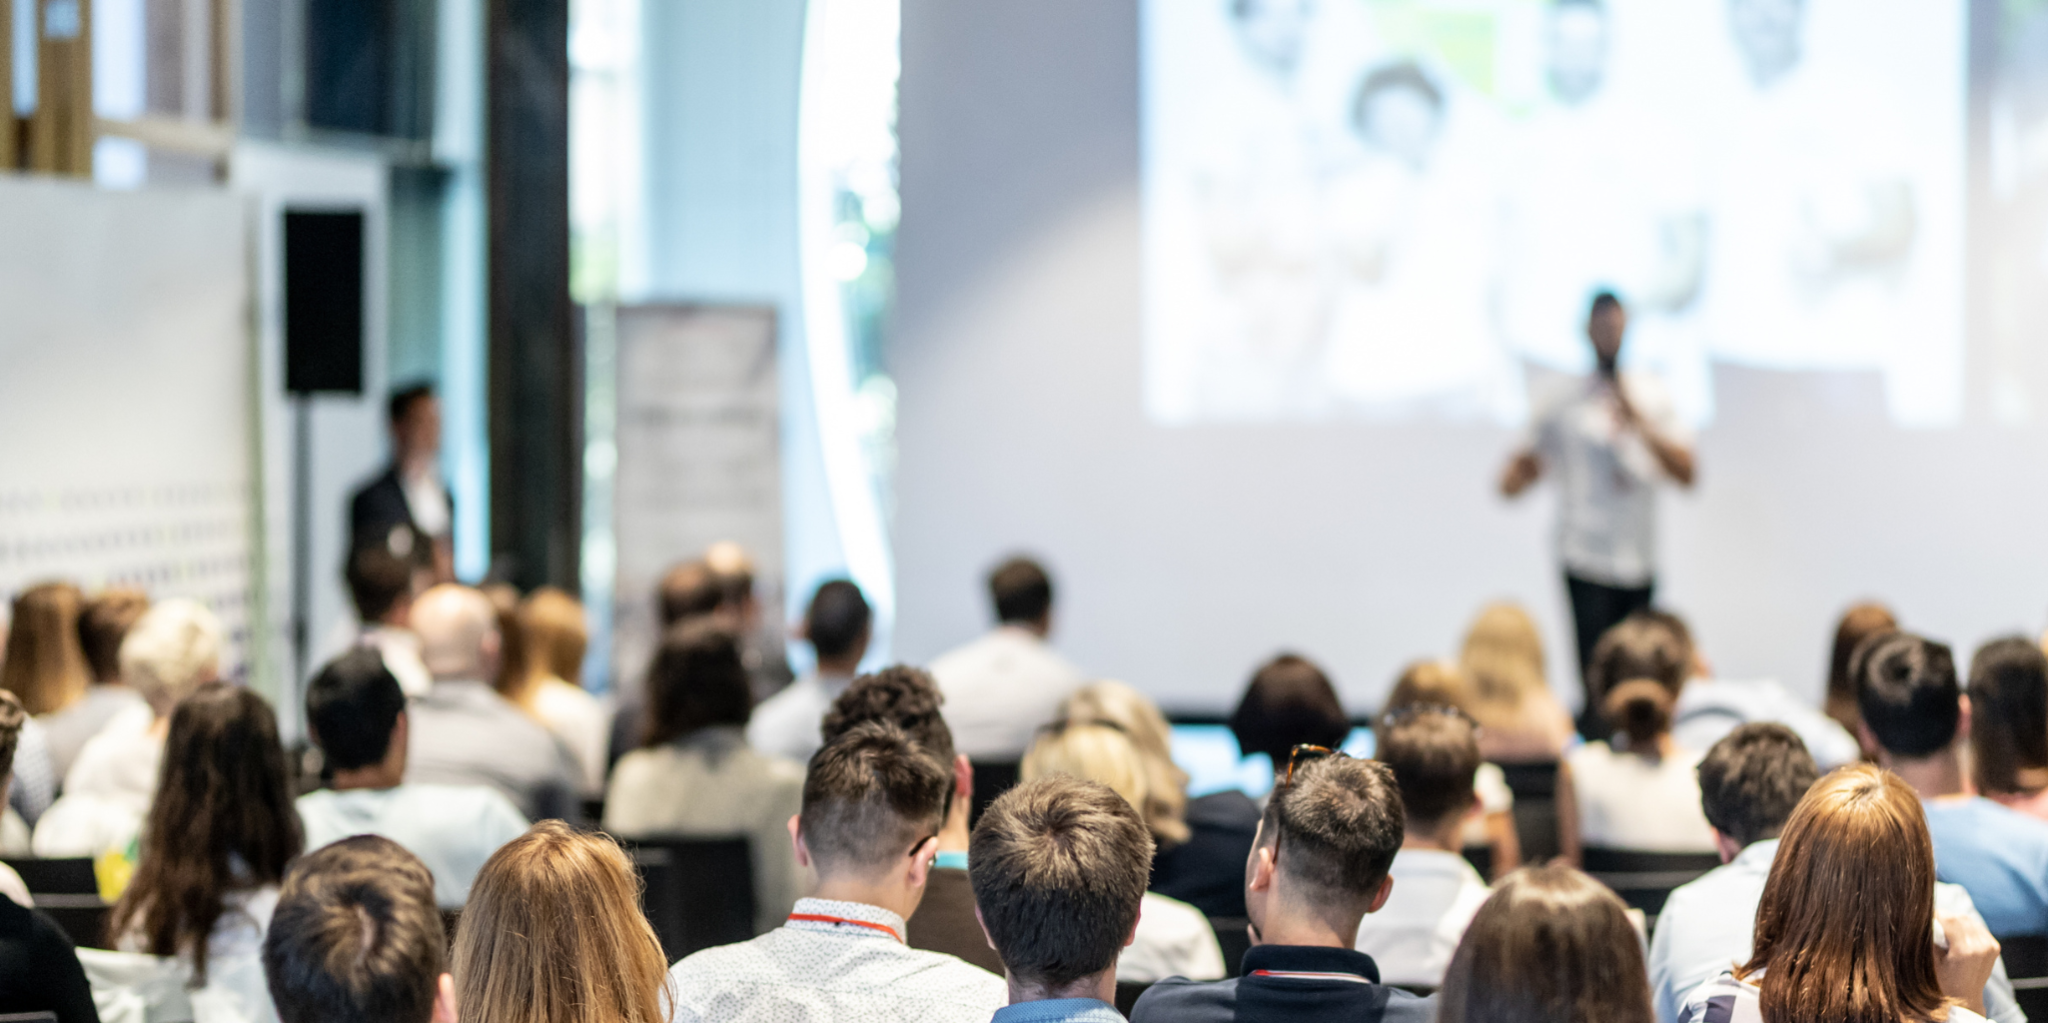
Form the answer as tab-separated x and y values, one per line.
690	590
1434	754
355	939
762	644
1915	716
553	934
2009	724
45	666
1710	707
462	732
1173	938
511	663
838	625
1439	684
1845	930
873	803
1059	872
355	713
220	833
1637	791
1859	623
172	651
410	494
908	698
383	578
1750	782
696	775
1329	834
1520	719
39	970
103	622
1551	946
1008	682
1289	702
555	636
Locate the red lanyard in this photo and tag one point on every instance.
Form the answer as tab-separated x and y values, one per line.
1310	975
820	918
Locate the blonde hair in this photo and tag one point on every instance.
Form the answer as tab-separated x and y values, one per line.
555	636
45	665
1090	751
1503	658
173	649
1165	807
1430	682
553	934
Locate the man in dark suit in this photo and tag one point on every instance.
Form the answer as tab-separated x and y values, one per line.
410	493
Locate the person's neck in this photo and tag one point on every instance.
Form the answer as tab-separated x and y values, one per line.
838	669
375	776
889	893
1040	628
1437	840
1933	777
1099	986
1289	922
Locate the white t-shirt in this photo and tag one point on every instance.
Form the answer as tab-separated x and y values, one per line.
786	725
583	724
1413	936
108	790
1174	940
1606	476
1000	688
453	829
1642	804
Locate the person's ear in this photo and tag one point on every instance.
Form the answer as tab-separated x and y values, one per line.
1727	846
1868	739
921	860
1132	938
983	924
1379	898
796	838
444	1000
963	775
1264	866
1963	717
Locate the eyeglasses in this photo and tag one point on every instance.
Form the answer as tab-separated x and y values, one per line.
1305	754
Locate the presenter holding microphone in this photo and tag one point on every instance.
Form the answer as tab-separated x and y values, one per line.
1609	440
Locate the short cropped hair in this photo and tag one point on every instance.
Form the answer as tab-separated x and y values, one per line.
1434	757
1336	829
1907	691
404	398
1021	590
838	617
1288	702
1602	300
1752	779
689	590
1059	867
352	707
697	680
870	796
103	623
356	937
378	578
902	695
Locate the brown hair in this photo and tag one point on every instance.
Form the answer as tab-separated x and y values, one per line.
905	696
2009	716
1289	701
1059	866
356	937
555	635
1636	671
1020	590
1428	682
222	821
504	598
12	717
1166	786
1336	829
1859	623
1845	931
696	680
44	664
689	590
1753	778
1434	756
553	933
871	795
103	623
1550	946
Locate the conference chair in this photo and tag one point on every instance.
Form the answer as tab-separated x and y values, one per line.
1127	994
697	892
1644	880
991	780
68	892
1535	812
1233	936
2026	962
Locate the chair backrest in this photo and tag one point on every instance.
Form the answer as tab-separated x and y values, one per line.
45	1016
696	892
1233	936
1127	992
2026	962
71	875
991	779
69	893
1644	879
1535	812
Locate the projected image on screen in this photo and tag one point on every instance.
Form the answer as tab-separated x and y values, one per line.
1396	208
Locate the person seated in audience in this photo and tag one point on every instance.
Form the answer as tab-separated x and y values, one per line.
384	577
1551	946
838	625
2009	724
355	713
1750	782
1434	754
463	732
908	698
220	833
1845	930
1916	716
355	938
553	934
1857	624
1520	719
1289	702
554	638
874	801
39	970
718	586
1329	834
1059	871
1710	707
762	647
172	651
103	622
697	777
1174	938
1438	684
1005	684
45	667
1636	792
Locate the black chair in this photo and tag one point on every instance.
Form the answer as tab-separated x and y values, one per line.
1535	813
991	780
2026	962
1127	992
1234	937
697	892
45	1016
67	891
1644	879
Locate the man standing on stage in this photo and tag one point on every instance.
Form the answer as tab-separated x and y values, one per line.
1609	440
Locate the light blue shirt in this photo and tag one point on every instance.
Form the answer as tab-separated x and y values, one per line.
1059	1010
453	829
1999	854
1709	926
1710	708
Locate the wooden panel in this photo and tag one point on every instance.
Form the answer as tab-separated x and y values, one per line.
60	131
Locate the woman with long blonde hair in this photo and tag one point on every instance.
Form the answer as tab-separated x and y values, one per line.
548	685
1520	719
553	933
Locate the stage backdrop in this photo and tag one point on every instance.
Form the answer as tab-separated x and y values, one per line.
1073	379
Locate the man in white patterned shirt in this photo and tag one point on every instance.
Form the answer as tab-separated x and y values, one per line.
873	804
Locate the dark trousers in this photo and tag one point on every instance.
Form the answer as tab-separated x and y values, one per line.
1597	607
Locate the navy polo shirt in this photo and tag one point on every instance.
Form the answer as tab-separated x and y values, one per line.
1292	983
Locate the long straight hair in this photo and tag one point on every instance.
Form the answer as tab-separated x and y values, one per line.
1845	931
44	663
222	822
553	934
2009	716
1550	946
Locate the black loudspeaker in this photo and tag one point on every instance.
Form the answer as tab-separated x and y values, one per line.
323	302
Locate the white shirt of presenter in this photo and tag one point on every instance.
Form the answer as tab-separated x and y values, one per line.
1606	473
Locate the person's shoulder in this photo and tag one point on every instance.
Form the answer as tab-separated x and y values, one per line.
464	804
1178	999
721	962
954	973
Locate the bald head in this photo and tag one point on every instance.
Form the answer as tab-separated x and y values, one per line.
458	632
